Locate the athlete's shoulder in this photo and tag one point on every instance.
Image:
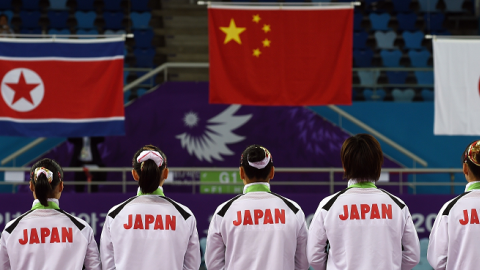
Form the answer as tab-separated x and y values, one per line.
78	222
290	203
182	209
448	206
10	226
328	201
223	208
394	198
115	210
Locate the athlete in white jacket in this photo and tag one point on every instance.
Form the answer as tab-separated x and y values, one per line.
258	230
46	237
456	232
150	231
362	227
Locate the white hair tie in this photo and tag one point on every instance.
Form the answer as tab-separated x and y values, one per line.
152	155
262	163
43	170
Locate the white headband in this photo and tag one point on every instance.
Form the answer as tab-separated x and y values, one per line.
152	155
45	171
262	163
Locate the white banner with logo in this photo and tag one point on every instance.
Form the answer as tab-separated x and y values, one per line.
457	93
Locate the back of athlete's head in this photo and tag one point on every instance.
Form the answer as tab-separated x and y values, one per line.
362	158
45	175
257	162
149	163
471	156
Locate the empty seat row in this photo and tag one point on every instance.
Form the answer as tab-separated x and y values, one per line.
398	95
108	5
386	40
406	21
391	58
85	20
370	77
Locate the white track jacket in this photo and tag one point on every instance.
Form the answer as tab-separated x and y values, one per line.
258	230
47	238
150	232
362	228
455	236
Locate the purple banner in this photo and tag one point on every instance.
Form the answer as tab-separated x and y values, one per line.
94	207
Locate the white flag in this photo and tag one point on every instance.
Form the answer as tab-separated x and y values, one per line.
457	93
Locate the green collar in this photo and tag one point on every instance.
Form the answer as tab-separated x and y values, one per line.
474	186
158	191
363	185
256	187
51	205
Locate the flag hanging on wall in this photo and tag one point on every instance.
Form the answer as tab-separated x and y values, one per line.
272	55
62	87
457	86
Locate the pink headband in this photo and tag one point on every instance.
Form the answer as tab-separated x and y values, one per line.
262	163
152	155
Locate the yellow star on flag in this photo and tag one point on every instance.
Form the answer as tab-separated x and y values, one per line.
266	28
256	52
233	32
266	43
256	18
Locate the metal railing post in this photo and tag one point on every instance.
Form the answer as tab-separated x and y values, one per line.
332	185
400	183
165	75
124	181
452	180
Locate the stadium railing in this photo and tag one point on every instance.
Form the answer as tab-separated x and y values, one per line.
331	171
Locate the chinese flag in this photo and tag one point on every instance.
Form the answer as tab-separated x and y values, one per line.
280	55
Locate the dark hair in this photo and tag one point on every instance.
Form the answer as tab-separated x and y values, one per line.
43	189
474	169
151	174
362	158
255	153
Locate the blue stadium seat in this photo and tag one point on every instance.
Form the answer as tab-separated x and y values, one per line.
413	40
406	21
453	5
385	39
419	58
30	4
377	95
85	19
424	77
86	32
126	96
368	77
359	40
363	58
141	92
357	21
58	19
114	32
428	5
380	21
144	57
401	5
143	38
140	20
142	5
9	15
59	32
31	31
397	77
403	96
58	4
434	21
6	4
113	5
427	94
30	19
391	58
113	20
85	5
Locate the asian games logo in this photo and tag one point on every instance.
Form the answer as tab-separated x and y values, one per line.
208	140
22	89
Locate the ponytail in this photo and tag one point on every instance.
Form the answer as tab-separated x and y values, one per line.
150	175
42	189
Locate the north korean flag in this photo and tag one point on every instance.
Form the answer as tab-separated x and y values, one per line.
61	87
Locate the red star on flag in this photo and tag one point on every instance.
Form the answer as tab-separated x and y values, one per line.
22	89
